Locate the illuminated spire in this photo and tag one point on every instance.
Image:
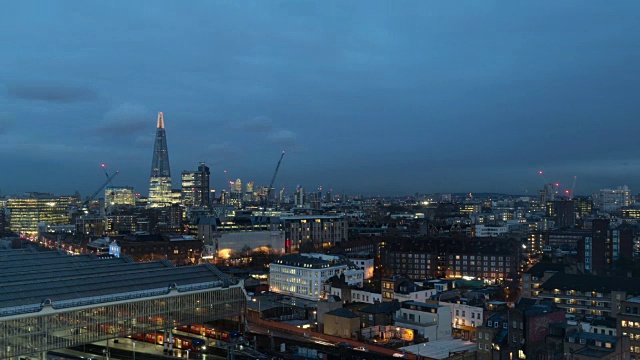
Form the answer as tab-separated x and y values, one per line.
160	120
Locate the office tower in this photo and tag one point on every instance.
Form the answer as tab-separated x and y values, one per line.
119	195
160	183
27	212
249	192
237	186
299	196
195	186
613	199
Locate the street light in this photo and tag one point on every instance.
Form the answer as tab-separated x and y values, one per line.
134	350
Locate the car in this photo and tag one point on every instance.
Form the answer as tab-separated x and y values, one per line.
360	348
344	345
398	355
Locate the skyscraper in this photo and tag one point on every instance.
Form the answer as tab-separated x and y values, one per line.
195	186
160	183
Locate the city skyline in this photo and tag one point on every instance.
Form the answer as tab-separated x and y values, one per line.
366	98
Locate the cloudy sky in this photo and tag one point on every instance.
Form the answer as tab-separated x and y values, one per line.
373	97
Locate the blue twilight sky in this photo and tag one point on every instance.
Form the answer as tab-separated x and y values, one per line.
373	97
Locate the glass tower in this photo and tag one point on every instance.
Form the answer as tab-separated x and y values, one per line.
160	184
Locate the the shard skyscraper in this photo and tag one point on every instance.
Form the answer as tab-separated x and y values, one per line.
160	184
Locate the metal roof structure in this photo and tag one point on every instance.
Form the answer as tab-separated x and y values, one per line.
30	279
51	300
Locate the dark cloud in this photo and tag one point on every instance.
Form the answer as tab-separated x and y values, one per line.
422	96
51	93
259	124
126	120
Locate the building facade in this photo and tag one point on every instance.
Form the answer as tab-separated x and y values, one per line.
588	295
431	321
27	212
628	324
119	195
196	187
431	258
304	275
319	231
609	200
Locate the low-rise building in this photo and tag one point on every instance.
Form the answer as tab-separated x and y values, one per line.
517	333
381	313
465	318
431	321
365	261
342	323
304	275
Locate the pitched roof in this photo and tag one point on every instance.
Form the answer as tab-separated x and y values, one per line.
540	268
386	307
344	313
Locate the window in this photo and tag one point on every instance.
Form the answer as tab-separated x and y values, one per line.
505	326
490	323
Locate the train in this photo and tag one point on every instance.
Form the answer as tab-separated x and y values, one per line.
211	333
179	341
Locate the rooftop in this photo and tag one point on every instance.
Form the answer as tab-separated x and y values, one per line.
592	352
31	279
344	313
314	261
540	268
440	349
592	283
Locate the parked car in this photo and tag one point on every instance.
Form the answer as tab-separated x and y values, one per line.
360	348
398	355
344	345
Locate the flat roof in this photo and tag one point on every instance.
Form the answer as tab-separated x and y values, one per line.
29	279
440	349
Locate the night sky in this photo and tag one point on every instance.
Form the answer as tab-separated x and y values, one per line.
371	97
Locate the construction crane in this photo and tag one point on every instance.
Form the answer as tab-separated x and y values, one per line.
104	184
273	179
573	187
104	168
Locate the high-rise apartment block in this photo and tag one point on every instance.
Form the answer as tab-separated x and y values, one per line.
160	192
195	186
